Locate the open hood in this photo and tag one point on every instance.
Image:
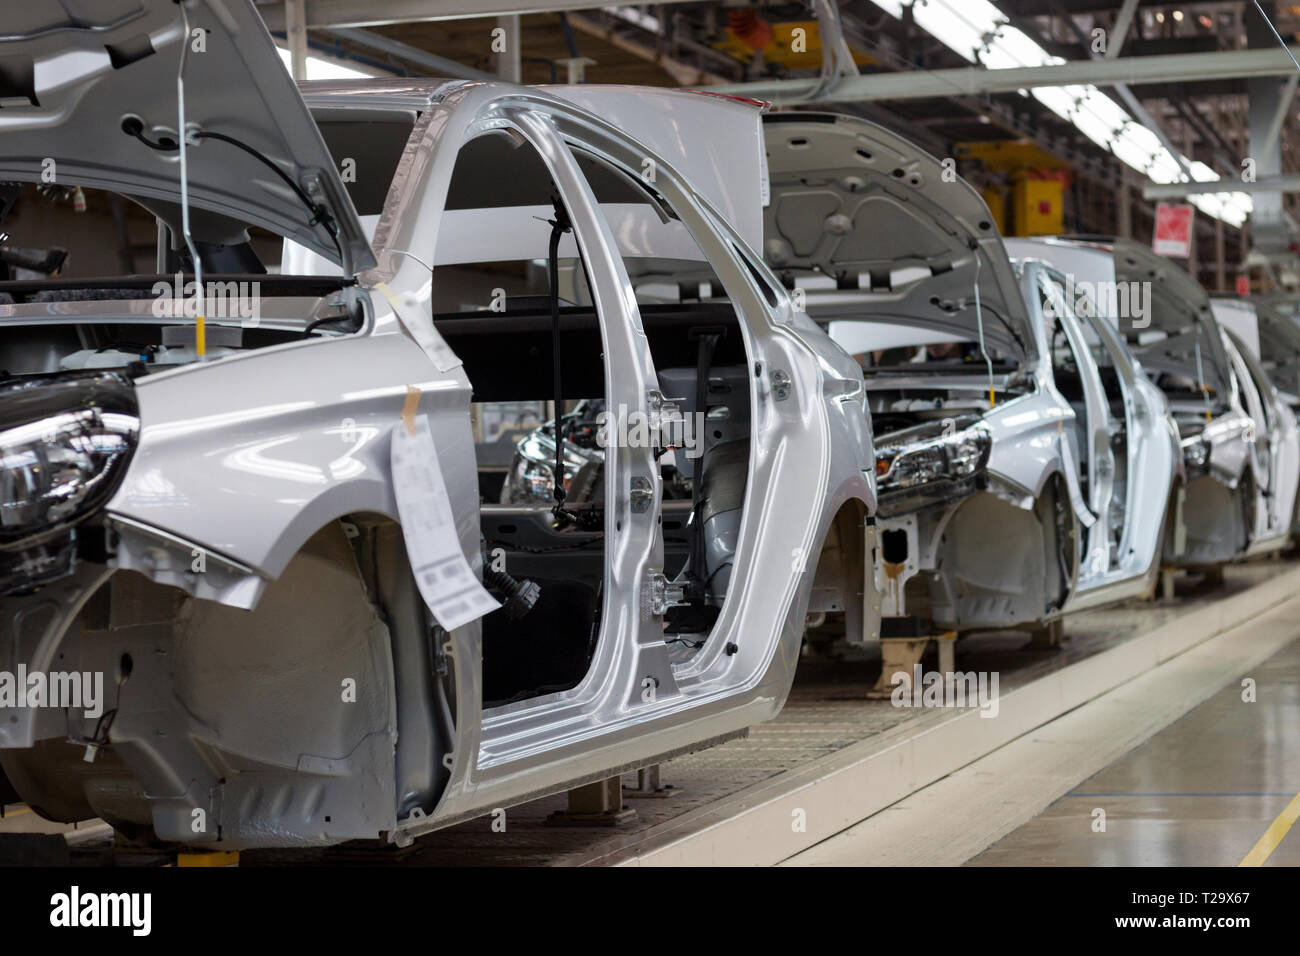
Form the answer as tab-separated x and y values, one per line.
1180	308
896	234
72	75
1279	348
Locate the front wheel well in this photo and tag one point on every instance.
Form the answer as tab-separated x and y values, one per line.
842	579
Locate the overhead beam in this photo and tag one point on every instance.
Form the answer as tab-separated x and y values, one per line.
433	64
1119	31
510	63
369	13
918	84
1264	184
1217	144
296	33
1279	115
684	74
1122	90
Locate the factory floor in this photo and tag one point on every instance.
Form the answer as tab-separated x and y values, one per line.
1218	787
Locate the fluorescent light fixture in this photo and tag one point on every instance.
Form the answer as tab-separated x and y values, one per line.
978	31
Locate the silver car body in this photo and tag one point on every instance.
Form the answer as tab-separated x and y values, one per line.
258	465
888	247
1227	512
1274	442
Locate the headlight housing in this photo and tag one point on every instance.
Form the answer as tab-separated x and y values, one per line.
532	474
931	463
531	480
65	443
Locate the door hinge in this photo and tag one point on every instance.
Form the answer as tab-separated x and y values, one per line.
664	595
780	385
642	494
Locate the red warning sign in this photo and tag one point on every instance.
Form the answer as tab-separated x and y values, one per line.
1243	286
1173	230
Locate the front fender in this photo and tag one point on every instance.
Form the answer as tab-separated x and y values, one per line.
1027	434
246	458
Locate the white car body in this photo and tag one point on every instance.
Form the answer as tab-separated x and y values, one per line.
888	249
1274	441
254	562
1238	497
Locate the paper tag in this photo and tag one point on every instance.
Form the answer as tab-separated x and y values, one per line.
425	335
446	582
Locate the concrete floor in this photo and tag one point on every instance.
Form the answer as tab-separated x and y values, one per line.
1202	792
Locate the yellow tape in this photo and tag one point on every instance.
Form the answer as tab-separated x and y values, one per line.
410	407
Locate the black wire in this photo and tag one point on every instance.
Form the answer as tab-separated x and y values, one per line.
320	216
695	645
559	226
326	321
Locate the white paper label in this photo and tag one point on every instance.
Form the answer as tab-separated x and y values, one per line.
425	335
446	582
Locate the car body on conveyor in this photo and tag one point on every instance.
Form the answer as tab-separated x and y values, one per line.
1264	346
1003	458
1235	490
1279	349
265	530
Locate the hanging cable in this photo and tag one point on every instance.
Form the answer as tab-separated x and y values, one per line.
1200	376
134	127
200	337
1276	34
979	321
559	226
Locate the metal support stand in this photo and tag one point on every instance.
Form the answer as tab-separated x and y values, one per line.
598	804
648	785
1213	577
1167	577
947	644
897	654
1048	636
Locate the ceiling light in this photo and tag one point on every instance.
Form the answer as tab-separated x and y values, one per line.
978	31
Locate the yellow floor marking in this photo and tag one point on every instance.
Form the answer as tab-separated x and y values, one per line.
1274	834
14	813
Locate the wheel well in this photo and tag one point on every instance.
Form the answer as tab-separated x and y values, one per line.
842	563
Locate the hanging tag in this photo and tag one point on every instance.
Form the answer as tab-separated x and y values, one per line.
446	582
425	335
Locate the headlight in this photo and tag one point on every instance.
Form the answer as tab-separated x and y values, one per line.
532	480
65	442
532	476
912	457
916	468
930	463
